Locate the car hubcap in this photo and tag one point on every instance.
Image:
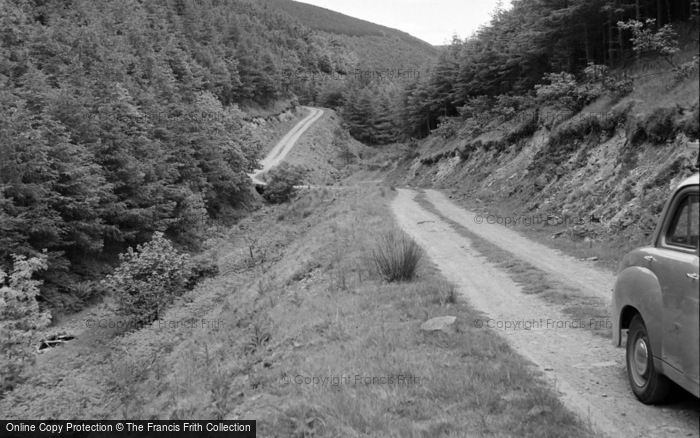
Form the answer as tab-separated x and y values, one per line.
640	361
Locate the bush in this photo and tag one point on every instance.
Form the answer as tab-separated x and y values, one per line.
448	127
691	123
148	279
687	69
658	127
527	125
396	256
201	268
19	317
661	125
647	37
192	216
564	89
281	181
578	128
599	78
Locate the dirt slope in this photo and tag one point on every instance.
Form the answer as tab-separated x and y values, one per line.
587	370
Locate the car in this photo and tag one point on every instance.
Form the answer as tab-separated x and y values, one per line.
655	300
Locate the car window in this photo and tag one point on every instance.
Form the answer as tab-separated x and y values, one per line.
684	230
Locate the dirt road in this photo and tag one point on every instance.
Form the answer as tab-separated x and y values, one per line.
587	371
282	148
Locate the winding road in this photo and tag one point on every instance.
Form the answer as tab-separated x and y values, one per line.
587	371
282	148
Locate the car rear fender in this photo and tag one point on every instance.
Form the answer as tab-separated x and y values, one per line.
637	291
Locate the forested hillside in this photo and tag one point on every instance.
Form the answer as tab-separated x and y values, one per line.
122	118
373	46
581	113
501	65
384	61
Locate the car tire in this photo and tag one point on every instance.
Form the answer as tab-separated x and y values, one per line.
647	384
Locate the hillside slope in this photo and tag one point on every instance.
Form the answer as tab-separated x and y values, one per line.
142	112
375	46
592	183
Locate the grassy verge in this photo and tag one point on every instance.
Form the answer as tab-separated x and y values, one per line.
535	281
301	333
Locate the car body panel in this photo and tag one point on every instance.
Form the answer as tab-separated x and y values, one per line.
660	283
680	333
627	297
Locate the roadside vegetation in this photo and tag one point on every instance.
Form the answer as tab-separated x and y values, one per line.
396	256
588	151
245	344
281	183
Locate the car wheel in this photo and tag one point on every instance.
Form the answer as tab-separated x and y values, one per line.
647	384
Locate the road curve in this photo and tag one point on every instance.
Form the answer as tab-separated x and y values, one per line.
282	148
586	370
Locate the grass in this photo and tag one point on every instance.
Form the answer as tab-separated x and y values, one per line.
310	341
396	256
537	282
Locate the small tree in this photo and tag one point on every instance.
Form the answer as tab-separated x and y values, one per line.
20	316
564	89
598	78
148	279
341	141
281	183
663	41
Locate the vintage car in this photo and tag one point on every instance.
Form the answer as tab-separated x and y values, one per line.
656	300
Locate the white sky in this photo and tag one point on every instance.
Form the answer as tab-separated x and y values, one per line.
434	21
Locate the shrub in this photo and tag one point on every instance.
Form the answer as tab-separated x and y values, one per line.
20	316
658	127
201	268
564	89
396	256
647	37
599	78
148	279
281	183
577	128
691	123
527	125
661	125
448	127
88	292
687	69
192	216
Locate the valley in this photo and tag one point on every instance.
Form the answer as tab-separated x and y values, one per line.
268	210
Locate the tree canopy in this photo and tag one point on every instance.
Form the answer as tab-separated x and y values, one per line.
122	118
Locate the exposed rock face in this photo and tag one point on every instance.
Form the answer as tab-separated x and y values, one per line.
606	190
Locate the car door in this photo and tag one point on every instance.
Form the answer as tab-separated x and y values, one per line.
675	264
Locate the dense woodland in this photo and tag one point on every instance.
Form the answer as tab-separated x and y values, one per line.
508	58
122	118
371	46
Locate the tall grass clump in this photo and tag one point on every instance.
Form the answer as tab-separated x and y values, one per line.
396	256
